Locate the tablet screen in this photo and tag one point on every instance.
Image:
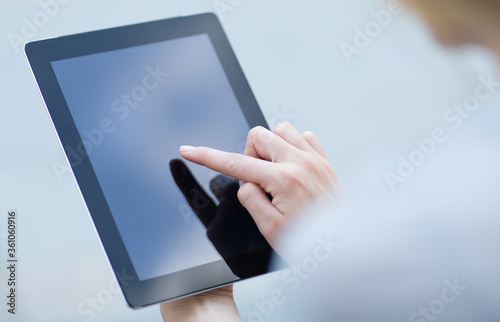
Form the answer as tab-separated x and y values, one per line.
133	108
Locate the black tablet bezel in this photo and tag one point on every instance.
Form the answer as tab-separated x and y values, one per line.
41	53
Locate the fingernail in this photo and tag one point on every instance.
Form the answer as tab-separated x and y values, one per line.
186	148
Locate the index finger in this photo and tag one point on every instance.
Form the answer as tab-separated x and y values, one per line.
238	166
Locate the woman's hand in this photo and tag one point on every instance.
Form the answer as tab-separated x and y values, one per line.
212	306
290	166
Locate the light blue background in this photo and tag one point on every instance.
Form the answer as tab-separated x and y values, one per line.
392	93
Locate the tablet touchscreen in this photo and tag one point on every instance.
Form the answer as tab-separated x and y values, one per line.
130	109
139	106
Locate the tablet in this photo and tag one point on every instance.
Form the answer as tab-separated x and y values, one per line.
122	101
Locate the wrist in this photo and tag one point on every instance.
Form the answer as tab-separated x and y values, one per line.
212	306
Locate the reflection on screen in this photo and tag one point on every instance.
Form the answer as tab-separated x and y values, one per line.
133	108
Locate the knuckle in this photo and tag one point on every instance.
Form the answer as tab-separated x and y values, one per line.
310	165
309	162
290	177
309	134
244	194
281	127
260	135
254	132
232	164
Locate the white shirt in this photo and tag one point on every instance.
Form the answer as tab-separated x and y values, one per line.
428	252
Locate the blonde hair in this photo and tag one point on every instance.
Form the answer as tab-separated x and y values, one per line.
460	21
461	9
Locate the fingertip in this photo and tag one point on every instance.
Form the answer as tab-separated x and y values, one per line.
186	149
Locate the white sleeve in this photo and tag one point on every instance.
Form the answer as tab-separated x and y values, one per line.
429	253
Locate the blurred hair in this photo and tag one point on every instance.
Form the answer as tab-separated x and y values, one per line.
463	9
460	21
